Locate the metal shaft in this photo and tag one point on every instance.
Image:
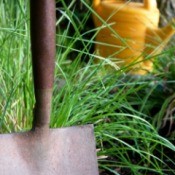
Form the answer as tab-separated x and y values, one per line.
42	14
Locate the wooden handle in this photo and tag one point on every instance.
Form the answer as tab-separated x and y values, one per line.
42	14
43	42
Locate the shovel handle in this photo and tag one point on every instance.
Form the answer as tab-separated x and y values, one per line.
42	13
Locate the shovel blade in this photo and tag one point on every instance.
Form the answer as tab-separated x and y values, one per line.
65	151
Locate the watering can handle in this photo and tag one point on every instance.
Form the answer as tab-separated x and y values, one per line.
42	14
149	4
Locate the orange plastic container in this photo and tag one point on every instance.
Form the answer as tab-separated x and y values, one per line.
128	32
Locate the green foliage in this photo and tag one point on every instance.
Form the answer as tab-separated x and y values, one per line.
15	67
128	112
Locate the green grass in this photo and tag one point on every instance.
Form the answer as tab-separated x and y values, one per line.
127	111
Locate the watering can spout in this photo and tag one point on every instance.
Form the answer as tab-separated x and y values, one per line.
156	39
167	32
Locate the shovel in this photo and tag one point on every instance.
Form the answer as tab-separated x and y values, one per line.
44	151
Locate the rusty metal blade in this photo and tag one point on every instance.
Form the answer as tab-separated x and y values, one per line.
64	151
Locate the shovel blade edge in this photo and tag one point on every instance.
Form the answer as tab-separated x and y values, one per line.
64	151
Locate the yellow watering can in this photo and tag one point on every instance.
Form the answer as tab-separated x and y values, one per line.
128	31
